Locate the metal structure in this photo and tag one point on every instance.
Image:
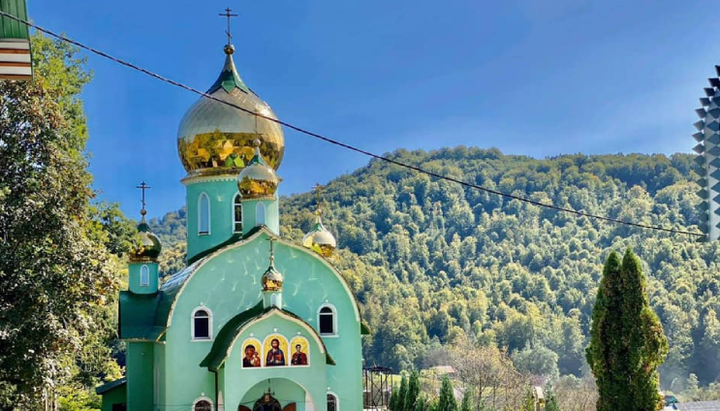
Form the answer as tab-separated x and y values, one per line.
708	159
15	61
376	387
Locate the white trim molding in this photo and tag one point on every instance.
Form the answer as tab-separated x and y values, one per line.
337	400
210	324
334	320
200	216
202	398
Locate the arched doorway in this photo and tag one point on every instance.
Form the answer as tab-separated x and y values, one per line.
277	394
267	403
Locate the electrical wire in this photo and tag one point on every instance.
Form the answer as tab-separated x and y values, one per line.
345	145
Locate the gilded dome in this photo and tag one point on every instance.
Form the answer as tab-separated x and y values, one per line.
215	138
257	179
149	247
272	279
320	240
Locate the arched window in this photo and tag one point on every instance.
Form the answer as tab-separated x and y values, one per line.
260	214
201	324
144	276
237	214
203	214
202	405
327	321
332	402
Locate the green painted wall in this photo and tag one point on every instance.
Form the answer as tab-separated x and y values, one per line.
134	281
229	283
243	385
159	376
221	194
272	215
114	396
139	373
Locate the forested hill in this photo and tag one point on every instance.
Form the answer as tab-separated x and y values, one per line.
431	261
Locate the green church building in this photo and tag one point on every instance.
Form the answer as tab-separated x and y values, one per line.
254	322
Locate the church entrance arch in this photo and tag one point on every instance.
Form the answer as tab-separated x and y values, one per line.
277	394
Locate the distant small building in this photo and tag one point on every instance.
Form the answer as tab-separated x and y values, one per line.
443	370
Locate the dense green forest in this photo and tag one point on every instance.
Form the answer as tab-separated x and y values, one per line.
432	263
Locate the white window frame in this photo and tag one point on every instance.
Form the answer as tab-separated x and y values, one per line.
200	216
232	213
335	320
210	324
197	400
260	211
144	276
337	400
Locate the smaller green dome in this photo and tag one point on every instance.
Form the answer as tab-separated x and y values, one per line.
320	239
149	247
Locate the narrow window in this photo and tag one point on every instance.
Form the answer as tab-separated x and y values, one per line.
237	214
144	276
260	214
202	405
326	321
203	214
201	325
332	402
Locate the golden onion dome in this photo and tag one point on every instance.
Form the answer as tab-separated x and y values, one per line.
257	179
272	279
215	138
320	240
149	247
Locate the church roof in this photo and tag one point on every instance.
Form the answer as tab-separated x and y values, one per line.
109	386
225	338
134	321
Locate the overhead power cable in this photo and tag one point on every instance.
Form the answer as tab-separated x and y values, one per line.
345	145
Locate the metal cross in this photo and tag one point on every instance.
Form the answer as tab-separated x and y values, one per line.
318	189
143	187
228	14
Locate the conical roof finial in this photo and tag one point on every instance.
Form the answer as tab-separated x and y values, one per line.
229	48
272	279
142	188
149	247
319	239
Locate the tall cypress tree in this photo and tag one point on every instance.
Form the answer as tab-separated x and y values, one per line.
413	391
402	393
466	404
446	401
627	343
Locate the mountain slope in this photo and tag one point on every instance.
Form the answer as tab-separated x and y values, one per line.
431	262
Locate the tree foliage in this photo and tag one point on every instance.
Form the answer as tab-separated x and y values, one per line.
627	344
58	277
446	399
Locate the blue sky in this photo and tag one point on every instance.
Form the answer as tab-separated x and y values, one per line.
540	78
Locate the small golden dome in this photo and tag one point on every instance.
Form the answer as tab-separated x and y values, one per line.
320	240
149	247
257	180
272	279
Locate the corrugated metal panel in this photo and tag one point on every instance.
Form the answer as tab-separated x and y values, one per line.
11	29
15	62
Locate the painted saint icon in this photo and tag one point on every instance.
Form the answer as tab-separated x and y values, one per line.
299	357
275	355
251	354
299	345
